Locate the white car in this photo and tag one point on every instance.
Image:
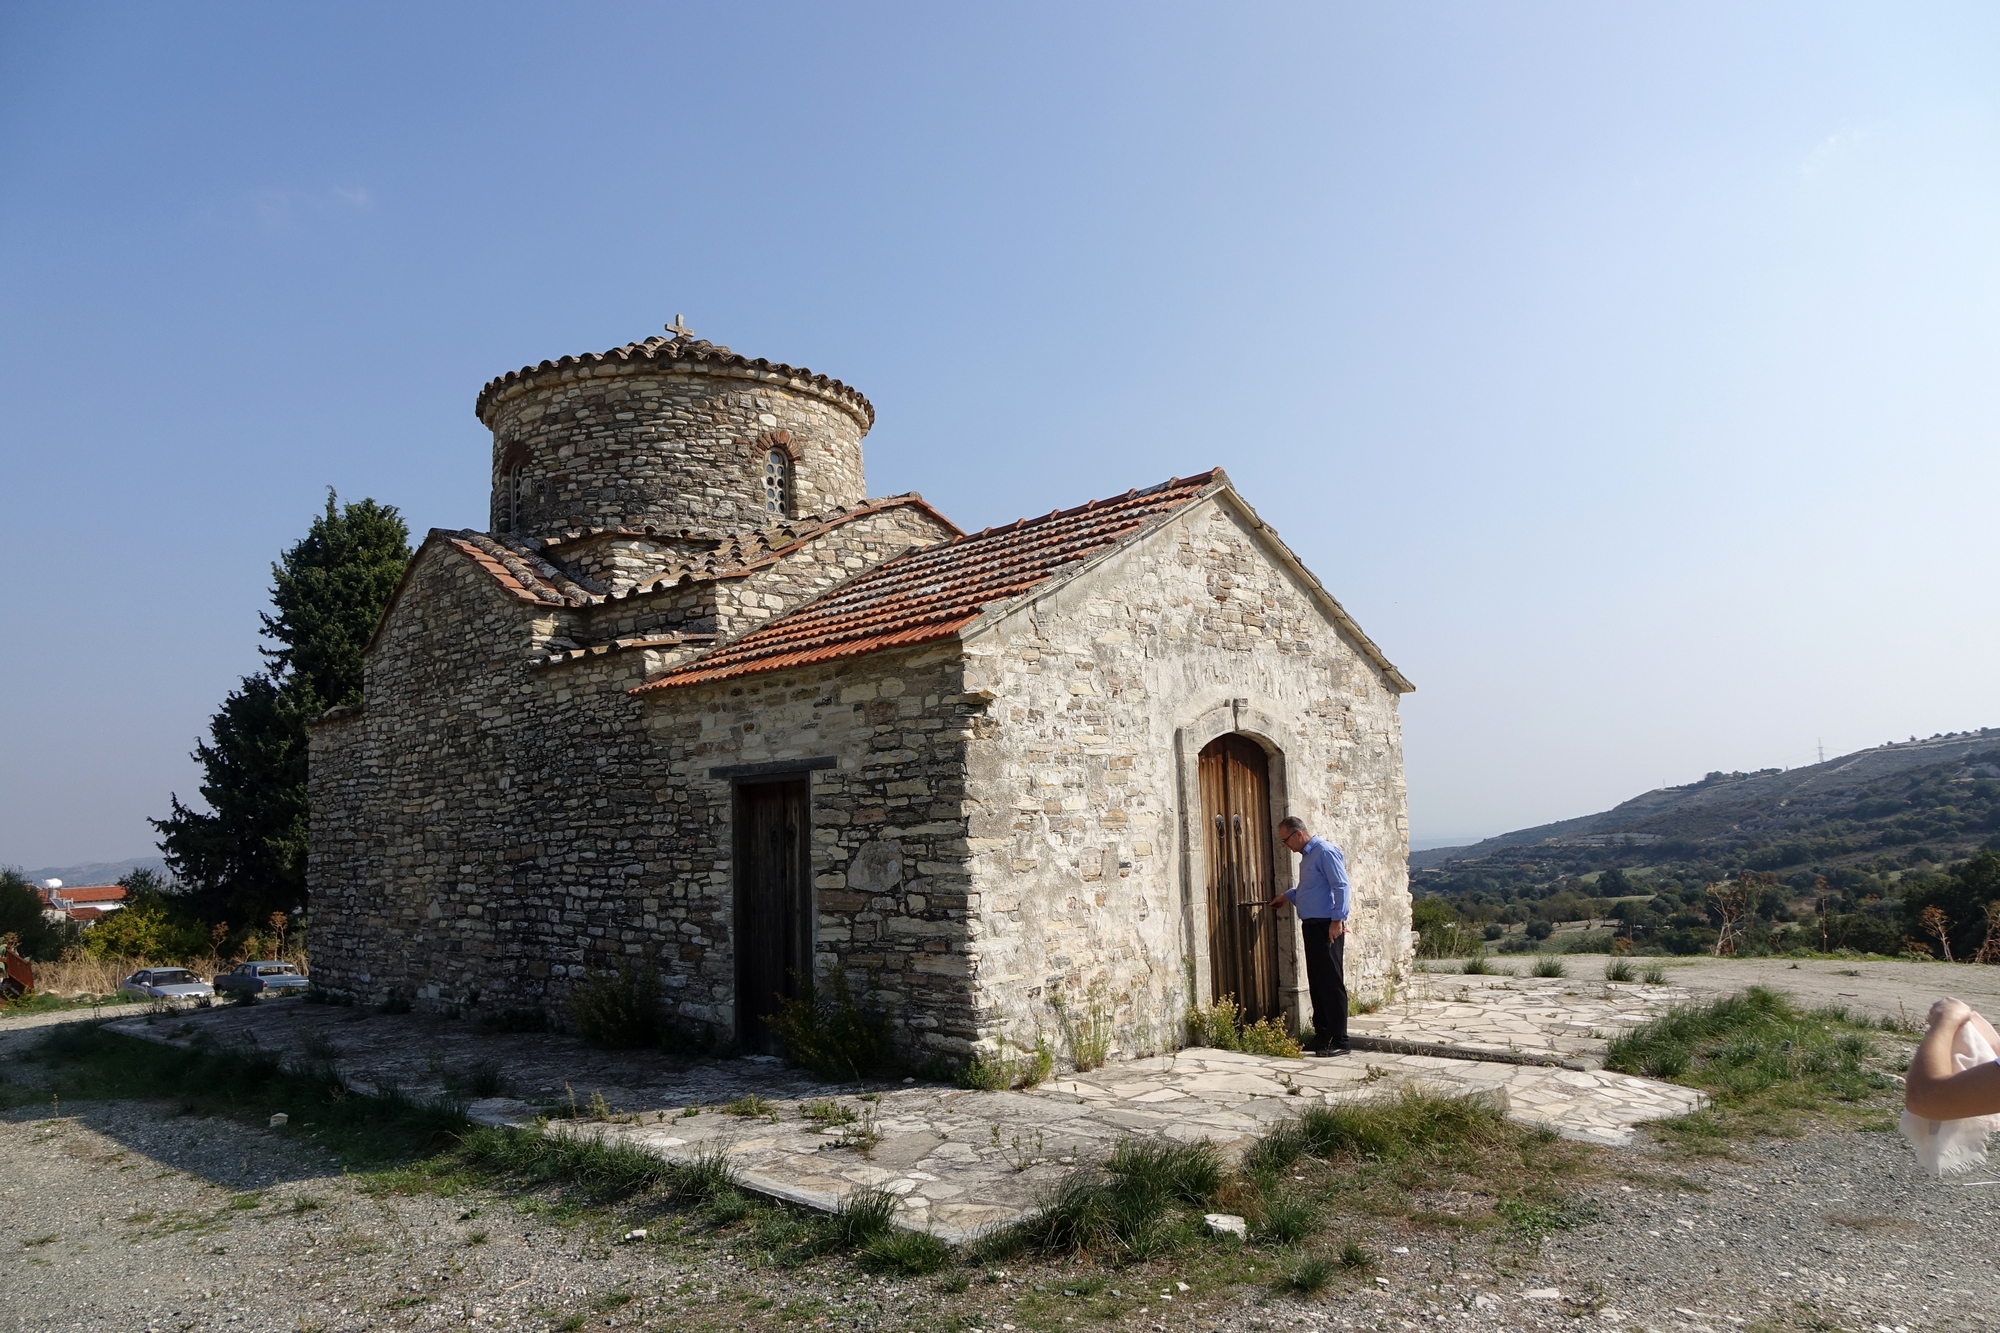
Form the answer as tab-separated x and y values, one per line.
168	983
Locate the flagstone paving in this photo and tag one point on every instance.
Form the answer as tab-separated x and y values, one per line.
964	1161
1559	1019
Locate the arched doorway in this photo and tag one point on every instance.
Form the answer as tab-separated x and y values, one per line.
1236	822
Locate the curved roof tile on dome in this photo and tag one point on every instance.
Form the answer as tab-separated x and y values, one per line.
669	350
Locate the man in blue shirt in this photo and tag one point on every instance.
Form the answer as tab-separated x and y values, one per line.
1321	899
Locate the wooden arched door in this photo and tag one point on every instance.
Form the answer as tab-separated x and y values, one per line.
1236	824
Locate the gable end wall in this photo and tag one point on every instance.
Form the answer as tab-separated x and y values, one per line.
1089	877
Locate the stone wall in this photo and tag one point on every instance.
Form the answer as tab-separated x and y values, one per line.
486	832
1089	873
633	445
891	884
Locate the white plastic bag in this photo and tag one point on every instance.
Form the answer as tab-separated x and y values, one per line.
1949	1146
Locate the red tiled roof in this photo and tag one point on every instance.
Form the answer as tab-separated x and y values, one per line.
520	569
934	592
93	893
85	913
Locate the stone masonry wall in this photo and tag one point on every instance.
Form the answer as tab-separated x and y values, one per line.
1088	873
486	832
891	885
633	445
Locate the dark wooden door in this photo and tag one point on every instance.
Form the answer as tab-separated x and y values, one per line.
1236	819
773	902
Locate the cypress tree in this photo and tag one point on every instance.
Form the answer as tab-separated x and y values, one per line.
245	856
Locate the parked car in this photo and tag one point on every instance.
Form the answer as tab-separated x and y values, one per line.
167	983
262	979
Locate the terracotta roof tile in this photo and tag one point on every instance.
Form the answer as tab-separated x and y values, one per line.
91	893
934	592
686	351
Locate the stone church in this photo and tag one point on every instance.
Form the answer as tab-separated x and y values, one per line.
696	705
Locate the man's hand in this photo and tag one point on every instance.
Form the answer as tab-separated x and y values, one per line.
1278	901
1336	930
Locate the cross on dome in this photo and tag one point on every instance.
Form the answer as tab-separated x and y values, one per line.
679	327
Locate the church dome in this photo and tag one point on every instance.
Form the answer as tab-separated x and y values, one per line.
673	434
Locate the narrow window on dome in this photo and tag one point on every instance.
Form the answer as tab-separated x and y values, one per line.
515	492
778	484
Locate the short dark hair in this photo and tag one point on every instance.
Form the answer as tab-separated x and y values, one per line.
1291	824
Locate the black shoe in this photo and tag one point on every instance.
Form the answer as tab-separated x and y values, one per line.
1323	1052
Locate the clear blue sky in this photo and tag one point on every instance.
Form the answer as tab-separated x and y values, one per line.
1628	371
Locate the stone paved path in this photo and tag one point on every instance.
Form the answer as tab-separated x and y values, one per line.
1568	1020
961	1161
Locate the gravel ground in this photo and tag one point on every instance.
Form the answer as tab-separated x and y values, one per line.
126	1216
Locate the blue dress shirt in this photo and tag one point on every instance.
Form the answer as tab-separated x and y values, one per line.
1321	892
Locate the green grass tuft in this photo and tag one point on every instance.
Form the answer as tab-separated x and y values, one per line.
1767	1065
1618	969
1311	1274
1549	965
1290	1218
907	1252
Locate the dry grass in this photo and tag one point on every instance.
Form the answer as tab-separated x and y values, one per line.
100	976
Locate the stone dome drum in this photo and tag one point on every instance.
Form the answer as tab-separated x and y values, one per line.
675	435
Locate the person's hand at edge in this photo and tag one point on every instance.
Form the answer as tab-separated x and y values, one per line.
1934	1087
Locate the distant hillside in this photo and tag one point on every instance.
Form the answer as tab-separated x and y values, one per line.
1929	801
97	872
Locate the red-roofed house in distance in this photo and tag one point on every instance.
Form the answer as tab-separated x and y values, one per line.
695	704
83	903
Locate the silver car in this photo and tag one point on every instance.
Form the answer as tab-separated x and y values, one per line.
265	978
167	983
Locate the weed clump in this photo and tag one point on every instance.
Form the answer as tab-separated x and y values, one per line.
601	1168
1137	1206
1223	1028
1549	965
830	1033
617	1010
1088	1034
1002	1070
1618	969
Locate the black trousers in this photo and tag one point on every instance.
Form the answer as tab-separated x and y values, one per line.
1324	978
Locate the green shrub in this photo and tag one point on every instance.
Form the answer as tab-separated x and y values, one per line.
1655	975
1477	966
150	927
1618	969
617	1010
830	1033
1549	965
